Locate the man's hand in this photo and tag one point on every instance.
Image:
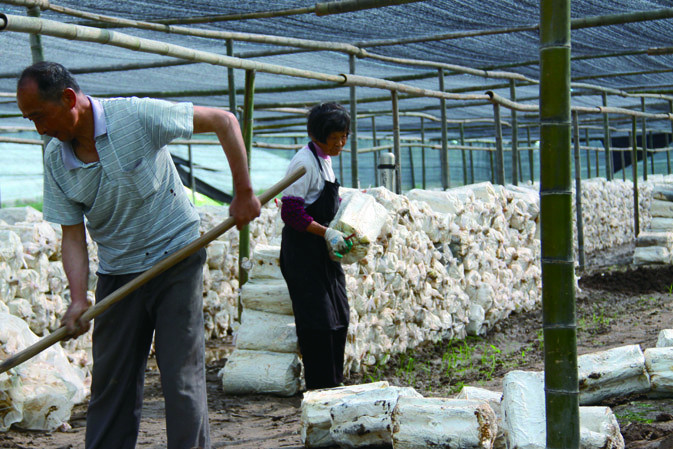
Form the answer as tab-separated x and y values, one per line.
72	319
244	208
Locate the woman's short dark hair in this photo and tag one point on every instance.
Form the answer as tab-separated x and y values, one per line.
326	118
51	79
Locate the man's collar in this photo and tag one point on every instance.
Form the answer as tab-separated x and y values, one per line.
99	128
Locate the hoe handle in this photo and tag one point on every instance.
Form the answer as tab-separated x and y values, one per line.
102	305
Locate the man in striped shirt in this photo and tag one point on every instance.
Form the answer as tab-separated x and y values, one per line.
108	162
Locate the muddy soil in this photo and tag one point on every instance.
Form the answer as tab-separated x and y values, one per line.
616	306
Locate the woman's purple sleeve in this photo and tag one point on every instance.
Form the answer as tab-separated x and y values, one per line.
293	213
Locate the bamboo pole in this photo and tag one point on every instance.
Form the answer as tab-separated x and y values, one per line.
355	181
531	157
244	233
376	154
643	140
396	142
461	130
500	159
444	154
471	163
650	144
101	306
231	84
634	168
556	238
423	152
578	191
515	136
668	153
192	178
606	141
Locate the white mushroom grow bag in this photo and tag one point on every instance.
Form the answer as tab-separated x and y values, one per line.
264	331
365	418
659	364
261	372
523	407
266	295
420	423
316	407
611	373
38	394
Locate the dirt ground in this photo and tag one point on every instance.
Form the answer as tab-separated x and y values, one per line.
616	306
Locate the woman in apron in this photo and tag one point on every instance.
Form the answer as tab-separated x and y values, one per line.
316	283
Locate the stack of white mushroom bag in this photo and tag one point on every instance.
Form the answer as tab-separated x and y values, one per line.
493	246
523	408
266	356
400	293
40	393
656	244
607	212
33	285
220	275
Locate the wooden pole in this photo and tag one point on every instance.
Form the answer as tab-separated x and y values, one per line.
423	151
588	152
231	84
244	233
531	156
444	153
650	144
396	141
192	178
101	306
500	152
606	141
515	136
634	168
471	163
355	181
578	192
461	130
376	153
643	139
556	237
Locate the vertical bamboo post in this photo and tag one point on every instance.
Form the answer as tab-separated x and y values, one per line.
515	137
341	167
623	158
578	192
634	168
586	140
244	233
643	138
355	181
531	156
598	163
462	151
192	180
37	54
492	164
471	164
668	151
396	141
500	156
423	152
376	153
606	141
444	152
650	144
558	270
411	167
231	87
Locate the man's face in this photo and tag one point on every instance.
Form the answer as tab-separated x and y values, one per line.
54	119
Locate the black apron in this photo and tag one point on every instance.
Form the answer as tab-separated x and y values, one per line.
317	284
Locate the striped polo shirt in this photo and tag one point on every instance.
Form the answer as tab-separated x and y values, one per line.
135	205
